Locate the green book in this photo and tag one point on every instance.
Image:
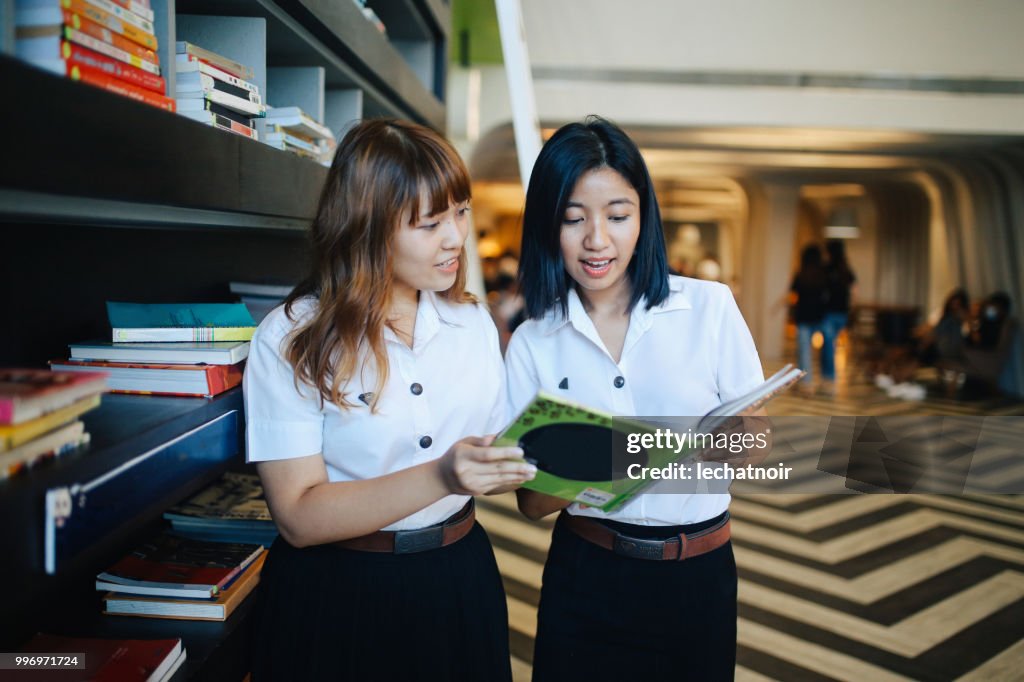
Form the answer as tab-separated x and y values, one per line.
594	458
181	322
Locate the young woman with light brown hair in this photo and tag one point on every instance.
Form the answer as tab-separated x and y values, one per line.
365	395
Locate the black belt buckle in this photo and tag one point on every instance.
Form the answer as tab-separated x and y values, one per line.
638	548
419	540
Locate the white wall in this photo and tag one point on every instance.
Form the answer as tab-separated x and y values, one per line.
965	38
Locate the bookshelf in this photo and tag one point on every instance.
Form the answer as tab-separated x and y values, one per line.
103	198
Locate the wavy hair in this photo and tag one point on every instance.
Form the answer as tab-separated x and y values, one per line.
382	170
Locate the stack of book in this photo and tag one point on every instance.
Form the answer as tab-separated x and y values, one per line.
106	43
39	413
260	298
190	349
106	660
216	91
175	577
232	509
293	130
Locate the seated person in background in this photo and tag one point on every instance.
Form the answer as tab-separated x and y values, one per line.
991	341
944	344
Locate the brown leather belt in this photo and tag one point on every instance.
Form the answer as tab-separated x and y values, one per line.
677	548
451	530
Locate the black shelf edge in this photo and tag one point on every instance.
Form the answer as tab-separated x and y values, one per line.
38	207
114	148
123	427
440	14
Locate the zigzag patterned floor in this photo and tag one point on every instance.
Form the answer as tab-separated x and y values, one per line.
871	587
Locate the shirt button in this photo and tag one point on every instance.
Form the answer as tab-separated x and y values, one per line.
426	442
416	389
619	382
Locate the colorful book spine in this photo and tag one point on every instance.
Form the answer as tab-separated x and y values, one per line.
99	79
75	54
219	378
123	14
201	82
128	334
221	62
112	22
235	127
238	104
187	63
11	436
99	32
142	10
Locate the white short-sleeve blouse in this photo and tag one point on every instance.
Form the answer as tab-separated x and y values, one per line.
680	359
449	385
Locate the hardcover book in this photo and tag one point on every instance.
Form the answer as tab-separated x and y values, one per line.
173	566
163	353
581	454
196	83
30	393
11	436
161	379
233	497
51	20
231	66
108	660
170	334
187	63
295	120
53	444
219	608
224	123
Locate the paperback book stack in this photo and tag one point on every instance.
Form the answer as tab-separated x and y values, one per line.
174	577
232	509
216	91
106	43
260	298
189	349
39	414
293	130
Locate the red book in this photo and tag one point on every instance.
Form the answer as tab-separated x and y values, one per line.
80	56
105	660
188	380
30	393
173	566
100	79
99	32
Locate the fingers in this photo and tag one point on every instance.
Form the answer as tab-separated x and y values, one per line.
491	454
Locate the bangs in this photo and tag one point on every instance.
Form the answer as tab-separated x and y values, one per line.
437	174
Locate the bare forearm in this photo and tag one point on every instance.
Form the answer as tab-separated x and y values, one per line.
536	505
328	512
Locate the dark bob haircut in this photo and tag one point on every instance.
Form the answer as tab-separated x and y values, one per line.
574	150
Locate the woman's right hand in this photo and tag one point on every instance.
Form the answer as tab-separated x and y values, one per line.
472	467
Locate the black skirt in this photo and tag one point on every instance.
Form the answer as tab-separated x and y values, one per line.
328	613
607	617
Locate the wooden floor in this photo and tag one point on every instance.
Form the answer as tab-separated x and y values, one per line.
835	587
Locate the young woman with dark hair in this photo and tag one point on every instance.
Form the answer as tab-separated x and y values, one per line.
610	328
358	408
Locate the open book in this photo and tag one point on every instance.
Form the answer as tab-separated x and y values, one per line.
585	455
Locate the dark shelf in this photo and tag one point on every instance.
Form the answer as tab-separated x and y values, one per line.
122	428
112	148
